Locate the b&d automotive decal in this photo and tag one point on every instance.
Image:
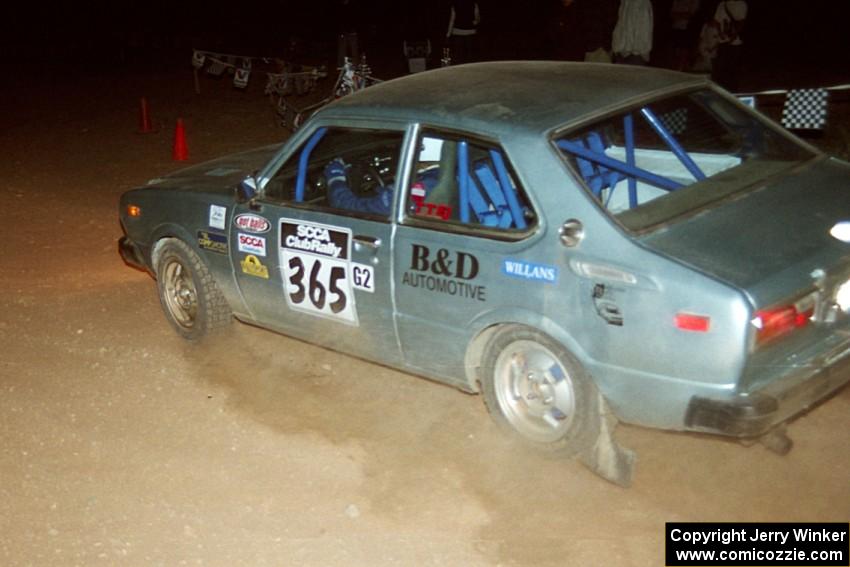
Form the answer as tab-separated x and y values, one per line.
252	223
444	271
530	271
212	241
316	267
251	244
252	266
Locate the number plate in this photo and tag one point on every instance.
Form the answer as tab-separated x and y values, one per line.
316	268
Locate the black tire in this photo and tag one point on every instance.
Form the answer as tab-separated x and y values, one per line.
535	388
192	302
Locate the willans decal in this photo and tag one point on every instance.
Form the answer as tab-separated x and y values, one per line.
530	271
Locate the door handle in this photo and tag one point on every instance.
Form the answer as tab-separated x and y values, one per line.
362	242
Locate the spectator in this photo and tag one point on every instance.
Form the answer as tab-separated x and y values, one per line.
464	17
347	40
597	18
729	18
565	31
632	40
682	14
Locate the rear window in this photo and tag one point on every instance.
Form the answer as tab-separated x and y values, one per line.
651	164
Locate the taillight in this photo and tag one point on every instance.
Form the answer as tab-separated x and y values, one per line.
778	321
691	322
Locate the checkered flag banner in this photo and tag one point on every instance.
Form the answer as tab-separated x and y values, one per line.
805	109
676	121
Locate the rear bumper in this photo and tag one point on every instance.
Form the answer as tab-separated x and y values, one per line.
753	414
131	253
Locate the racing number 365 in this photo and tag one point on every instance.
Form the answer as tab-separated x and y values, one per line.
314	288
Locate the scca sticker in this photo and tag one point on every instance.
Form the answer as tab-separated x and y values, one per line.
252	266
212	241
252	223
316	267
251	244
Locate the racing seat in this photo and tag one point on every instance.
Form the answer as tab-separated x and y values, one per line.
445	191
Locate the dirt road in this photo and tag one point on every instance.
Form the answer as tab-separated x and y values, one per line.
123	445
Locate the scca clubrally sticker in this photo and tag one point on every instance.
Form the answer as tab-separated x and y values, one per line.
315	264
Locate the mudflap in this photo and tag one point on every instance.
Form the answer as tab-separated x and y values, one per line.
606	457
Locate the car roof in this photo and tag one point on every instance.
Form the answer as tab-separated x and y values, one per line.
508	96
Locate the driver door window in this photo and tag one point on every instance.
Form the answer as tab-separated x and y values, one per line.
345	171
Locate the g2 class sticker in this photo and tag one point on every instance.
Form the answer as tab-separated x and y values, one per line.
217	216
251	243
252	223
316	268
212	241
363	277
252	266
530	271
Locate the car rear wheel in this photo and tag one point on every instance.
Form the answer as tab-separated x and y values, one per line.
192	302
536	389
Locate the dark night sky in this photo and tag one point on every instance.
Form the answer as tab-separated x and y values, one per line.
783	36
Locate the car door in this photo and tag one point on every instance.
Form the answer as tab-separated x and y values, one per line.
313	250
464	216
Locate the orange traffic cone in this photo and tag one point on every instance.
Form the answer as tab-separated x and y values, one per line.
144	119
181	151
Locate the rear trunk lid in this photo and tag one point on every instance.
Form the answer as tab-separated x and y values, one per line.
772	242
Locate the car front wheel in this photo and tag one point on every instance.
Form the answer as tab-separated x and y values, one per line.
535	388
193	304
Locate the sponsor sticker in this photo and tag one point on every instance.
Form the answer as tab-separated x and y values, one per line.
251	244
363	277
252	266
317	272
217	216
444	271
212	241
252	223
530	271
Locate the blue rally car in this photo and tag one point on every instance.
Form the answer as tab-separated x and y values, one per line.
580	243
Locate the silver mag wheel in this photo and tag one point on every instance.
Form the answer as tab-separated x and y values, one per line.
193	304
535	388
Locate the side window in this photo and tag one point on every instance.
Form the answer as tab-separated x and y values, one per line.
461	183
341	170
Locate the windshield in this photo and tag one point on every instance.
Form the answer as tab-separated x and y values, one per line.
673	156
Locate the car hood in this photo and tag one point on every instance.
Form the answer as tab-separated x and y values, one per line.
218	175
768	242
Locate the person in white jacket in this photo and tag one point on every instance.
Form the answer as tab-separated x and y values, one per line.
632	41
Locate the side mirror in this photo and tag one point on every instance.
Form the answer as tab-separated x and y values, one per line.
246	190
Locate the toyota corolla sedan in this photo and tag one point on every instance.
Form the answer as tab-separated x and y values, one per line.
577	242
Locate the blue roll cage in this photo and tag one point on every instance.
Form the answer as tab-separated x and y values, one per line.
603	172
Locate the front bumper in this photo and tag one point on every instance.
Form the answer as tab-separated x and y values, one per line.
131	253
754	414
